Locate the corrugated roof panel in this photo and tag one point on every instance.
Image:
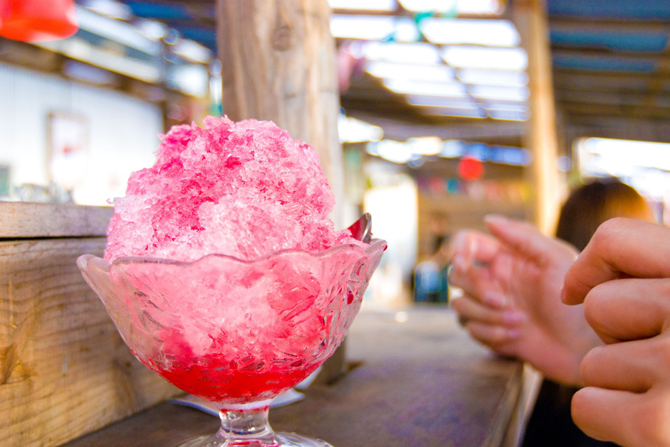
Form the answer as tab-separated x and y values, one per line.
604	64
201	34
617	41
159	11
619	9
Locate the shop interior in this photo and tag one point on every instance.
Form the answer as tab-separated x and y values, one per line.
427	114
438	104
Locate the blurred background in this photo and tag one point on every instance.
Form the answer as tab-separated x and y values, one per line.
450	109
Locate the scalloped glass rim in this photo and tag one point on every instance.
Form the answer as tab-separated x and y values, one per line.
374	244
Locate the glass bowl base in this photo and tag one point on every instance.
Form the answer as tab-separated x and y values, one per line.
276	440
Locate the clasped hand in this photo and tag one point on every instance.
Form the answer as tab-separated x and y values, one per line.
613	338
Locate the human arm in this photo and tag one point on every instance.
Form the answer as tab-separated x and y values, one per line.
511	303
623	279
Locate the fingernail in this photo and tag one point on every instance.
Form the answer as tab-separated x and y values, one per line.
513	333
514	317
494	299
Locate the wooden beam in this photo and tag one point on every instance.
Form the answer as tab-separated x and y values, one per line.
208	23
478	130
279	64
603	73
598	83
530	17
575	109
627	128
650	99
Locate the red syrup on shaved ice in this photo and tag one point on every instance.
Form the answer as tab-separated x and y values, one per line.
224	274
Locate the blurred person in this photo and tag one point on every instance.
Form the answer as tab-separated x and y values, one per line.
430	281
590	205
511	284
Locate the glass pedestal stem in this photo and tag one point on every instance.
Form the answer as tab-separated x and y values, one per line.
247	425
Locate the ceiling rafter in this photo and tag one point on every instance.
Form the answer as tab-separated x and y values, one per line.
580	108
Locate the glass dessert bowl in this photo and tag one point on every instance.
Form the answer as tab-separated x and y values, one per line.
235	332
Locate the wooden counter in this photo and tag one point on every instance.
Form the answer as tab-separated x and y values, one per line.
64	369
422	382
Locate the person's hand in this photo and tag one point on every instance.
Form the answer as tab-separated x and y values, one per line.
511	302
623	279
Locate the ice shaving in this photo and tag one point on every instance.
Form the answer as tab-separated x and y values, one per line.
244	189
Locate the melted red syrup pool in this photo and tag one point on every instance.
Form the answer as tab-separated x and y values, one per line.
233	386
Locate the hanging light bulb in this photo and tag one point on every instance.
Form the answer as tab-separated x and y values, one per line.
37	20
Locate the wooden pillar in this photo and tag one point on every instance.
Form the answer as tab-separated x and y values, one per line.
530	17
278	63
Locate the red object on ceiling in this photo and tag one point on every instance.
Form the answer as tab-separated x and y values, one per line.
470	168
37	20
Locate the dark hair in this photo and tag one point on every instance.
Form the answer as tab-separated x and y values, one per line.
592	204
438	242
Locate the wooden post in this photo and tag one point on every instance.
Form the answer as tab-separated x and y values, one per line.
530	17
278	63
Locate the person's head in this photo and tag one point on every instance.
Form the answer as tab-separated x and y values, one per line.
594	203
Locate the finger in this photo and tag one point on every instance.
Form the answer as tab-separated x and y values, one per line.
472	310
476	281
628	246
497	338
525	238
622	417
459	275
629	366
472	247
628	309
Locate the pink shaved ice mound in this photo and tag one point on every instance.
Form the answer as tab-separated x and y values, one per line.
243	189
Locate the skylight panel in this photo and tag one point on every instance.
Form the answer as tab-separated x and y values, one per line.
428	73
364	5
485	7
401	29
493	77
501	93
508	115
514	59
496	33
351	130
472	112
409	53
440	101
454	90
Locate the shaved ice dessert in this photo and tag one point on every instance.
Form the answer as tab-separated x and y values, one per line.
224	275
243	189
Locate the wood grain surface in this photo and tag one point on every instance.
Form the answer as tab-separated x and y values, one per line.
40	220
64	370
421	383
280	65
